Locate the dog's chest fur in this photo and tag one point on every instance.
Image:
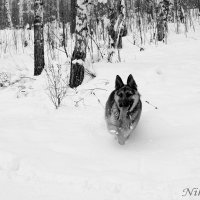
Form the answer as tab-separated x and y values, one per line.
124	121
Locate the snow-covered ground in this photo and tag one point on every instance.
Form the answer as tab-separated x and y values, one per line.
67	154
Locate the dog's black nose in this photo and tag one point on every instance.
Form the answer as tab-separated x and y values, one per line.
124	103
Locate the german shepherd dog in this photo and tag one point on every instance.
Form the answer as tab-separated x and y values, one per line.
123	109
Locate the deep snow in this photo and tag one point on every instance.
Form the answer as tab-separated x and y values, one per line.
67	154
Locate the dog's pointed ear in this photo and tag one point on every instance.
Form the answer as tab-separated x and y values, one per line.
131	82
118	82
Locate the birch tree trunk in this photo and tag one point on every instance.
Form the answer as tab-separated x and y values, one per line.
116	28
176	15
38	38
30	14
2	25
8	14
21	13
58	11
79	53
162	19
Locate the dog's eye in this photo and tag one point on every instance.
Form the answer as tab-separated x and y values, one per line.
120	95
128	94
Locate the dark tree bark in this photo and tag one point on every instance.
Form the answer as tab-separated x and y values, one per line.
15	14
73	15
199	6
38	38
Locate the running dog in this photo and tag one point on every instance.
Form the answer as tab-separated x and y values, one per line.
123	109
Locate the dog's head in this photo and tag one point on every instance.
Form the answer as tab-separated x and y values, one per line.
125	95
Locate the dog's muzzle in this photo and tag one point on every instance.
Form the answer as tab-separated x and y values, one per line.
126	103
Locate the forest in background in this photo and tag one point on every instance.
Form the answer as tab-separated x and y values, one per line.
22	11
66	37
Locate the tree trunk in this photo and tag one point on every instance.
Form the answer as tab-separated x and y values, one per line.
176	15
73	16
58	12
140	20
15	14
116	29
21	13
29	13
162	19
38	38
8	14
2	24
79	54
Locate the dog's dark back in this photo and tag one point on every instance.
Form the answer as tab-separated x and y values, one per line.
109	104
